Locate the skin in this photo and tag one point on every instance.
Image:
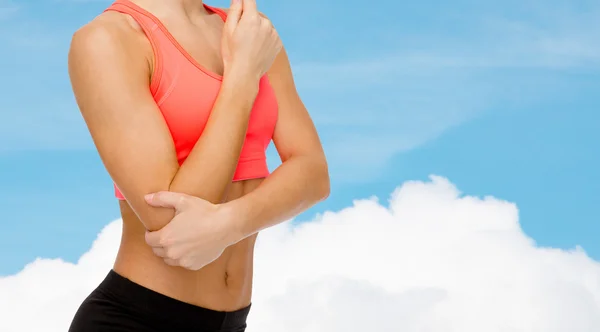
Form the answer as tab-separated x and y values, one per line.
112	57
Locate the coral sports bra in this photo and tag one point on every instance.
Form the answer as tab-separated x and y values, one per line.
185	92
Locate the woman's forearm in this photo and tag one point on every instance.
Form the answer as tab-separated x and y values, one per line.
296	185
133	140
210	166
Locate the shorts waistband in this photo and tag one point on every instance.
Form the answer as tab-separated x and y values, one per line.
169	308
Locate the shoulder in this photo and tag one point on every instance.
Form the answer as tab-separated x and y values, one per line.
108	34
107	52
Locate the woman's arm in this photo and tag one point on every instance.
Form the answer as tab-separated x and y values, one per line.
110	80
201	230
302	180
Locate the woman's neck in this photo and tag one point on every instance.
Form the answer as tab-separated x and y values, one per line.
190	7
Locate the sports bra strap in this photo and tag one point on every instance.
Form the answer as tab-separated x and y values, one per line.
146	22
150	27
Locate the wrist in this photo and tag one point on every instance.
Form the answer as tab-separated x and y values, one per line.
239	89
243	73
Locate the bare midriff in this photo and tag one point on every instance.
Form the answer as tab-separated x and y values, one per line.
223	285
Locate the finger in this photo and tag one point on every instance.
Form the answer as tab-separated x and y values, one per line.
250	6
155	239
168	199
233	15
159	251
171	262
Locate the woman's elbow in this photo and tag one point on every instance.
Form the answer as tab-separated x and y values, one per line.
325	191
153	218
323	181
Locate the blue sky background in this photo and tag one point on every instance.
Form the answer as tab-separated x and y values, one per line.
500	97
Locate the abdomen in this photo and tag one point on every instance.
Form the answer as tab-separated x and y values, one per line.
225	284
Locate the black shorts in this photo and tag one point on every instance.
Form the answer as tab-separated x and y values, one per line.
120	305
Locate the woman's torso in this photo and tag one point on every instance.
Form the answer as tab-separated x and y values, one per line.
225	284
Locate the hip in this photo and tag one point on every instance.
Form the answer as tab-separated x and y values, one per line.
119	304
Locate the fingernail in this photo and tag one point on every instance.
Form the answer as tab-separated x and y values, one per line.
149	197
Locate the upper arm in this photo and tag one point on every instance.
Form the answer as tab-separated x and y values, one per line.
110	80
295	132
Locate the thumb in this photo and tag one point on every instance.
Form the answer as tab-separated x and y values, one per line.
168	199
153	239
233	15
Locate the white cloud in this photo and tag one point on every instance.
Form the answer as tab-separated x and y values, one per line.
431	261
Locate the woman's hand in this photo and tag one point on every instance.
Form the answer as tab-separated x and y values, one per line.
197	235
250	43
